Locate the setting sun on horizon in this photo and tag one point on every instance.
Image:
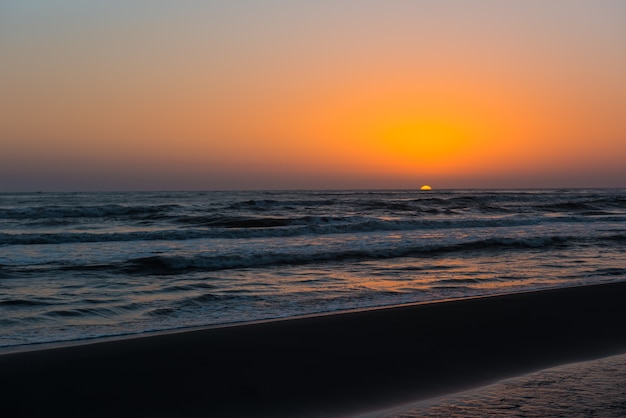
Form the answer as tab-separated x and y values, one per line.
140	95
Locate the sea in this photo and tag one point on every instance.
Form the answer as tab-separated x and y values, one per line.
81	266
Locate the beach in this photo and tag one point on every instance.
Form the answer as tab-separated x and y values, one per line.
338	364
593	388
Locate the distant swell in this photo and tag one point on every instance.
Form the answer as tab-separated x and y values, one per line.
101	211
259	228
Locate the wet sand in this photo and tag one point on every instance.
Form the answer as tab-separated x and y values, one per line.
328	365
594	388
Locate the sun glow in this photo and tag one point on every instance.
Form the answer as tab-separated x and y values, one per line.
426	140
435	144
433	132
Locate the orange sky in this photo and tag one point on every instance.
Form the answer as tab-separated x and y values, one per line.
147	95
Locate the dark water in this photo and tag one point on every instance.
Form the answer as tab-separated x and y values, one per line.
84	265
589	389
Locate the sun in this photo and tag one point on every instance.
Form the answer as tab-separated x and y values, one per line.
426	187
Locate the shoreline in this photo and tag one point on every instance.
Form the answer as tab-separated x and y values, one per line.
56	344
332	364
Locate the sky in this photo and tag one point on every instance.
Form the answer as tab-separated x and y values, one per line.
325	94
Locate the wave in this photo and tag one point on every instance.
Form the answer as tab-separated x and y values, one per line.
82	312
4	273
240	228
237	221
271	227
92	211
593	203
22	303
610	271
388	202
176	264
621	238
261	205
80	237
358	212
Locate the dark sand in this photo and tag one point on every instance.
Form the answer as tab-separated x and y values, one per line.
319	366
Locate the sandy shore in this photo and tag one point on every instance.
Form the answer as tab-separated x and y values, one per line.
593	388
328	365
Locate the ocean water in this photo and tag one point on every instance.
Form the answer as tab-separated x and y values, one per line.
76	266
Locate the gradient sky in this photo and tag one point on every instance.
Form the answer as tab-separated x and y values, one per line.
275	94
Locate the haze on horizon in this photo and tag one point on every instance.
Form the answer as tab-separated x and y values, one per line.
282	94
